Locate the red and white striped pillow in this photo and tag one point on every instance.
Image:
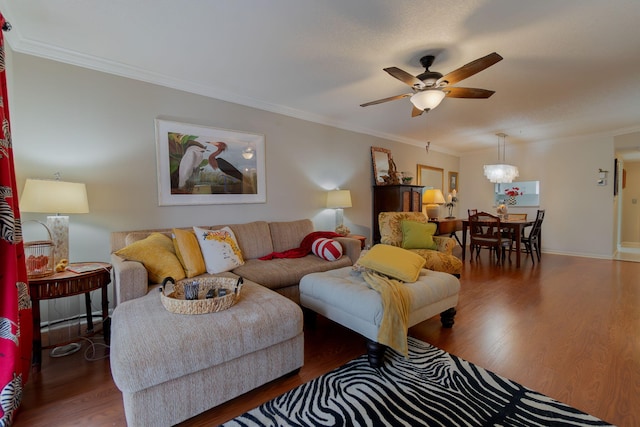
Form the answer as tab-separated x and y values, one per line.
326	249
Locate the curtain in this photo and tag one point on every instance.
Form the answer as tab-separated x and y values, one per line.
15	304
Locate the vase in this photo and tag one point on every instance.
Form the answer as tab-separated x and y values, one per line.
512	200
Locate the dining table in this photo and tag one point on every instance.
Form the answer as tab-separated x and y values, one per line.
515	226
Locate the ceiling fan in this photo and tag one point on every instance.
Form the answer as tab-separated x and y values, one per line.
430	87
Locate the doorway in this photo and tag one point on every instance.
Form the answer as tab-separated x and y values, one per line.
627	148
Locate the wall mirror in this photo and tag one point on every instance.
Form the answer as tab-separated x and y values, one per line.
380	159
430	177
523	193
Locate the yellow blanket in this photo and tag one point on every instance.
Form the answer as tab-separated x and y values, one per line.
396	302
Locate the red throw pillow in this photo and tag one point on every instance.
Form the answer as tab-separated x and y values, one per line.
326	249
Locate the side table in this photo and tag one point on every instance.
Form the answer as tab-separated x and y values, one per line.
363	239
65	284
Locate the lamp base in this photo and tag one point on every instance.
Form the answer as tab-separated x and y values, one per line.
433	211
58	225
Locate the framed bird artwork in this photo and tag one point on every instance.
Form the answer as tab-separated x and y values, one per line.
200	165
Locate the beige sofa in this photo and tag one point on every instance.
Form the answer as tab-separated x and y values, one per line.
255	239
170	367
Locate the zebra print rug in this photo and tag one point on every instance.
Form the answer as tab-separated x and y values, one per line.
431	388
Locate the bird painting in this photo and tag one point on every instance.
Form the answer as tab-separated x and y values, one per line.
221	164
193	158
189	163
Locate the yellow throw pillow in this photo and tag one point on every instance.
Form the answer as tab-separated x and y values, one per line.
158	256
394	262
188	252
418	235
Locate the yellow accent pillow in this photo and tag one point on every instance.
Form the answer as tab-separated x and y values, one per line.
158	256
394	262
188	252
418	235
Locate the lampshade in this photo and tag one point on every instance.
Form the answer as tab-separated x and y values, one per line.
49	196
427	99
433	198
501	172
54	196
339	199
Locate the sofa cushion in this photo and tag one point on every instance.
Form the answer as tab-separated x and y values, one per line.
418	235
327	249
254	238
219	248
188	252
283	272
157	254
394	262
289	234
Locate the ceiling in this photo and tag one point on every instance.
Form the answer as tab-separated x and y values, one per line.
569	68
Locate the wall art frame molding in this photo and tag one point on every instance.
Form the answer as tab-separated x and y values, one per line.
201	165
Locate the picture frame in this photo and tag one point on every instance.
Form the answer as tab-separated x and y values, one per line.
453	182
201	165
430	177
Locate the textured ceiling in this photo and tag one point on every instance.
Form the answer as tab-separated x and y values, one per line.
570	67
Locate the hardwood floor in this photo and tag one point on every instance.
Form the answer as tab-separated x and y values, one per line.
567	327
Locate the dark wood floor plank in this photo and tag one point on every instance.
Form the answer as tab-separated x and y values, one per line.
567	327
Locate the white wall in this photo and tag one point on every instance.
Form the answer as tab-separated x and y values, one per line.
579	213
99	129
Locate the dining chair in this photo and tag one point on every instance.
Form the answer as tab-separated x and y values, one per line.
517	217
531	241
469	213
508	232
486	232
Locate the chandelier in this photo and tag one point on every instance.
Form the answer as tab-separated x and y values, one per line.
501	172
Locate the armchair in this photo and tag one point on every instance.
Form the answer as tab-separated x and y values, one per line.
440	259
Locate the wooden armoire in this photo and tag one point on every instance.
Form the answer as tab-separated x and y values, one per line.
394	198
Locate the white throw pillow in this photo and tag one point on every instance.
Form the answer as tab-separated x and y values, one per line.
219	248
327	249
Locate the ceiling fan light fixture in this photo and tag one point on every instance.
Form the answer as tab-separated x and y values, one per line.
427	99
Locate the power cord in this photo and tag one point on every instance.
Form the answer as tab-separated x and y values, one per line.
90	351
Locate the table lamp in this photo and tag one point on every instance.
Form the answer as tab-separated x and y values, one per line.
432	199
55	196
338	200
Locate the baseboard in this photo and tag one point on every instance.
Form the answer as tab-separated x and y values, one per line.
63	333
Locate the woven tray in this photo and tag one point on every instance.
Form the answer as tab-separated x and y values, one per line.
175	302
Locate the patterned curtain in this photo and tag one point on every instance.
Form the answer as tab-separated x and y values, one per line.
15	304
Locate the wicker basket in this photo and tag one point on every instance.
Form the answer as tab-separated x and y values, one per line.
174	299
39	256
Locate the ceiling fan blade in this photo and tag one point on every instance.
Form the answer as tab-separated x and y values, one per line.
467	92
391	98
405	77
416	112
470	69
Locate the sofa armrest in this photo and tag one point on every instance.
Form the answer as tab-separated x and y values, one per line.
445	244
350	247
130	279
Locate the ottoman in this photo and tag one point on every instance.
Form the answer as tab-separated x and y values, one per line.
342	296
171	367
